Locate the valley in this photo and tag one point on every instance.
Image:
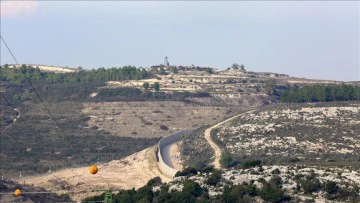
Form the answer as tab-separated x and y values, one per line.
118	124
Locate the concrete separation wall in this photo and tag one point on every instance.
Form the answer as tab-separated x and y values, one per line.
165	168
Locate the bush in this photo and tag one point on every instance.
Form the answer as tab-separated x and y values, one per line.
251	163
226	160
272	191
154	182
164	127
206	169
192	188
214	178
331	187
310	185
275	171
188	171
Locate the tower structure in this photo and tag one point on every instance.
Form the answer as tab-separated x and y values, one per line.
166	61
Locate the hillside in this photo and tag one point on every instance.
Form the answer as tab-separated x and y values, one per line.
252	184
9	188
316	134
64	122
47	68
130	172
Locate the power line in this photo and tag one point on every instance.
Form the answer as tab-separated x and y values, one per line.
41	100
31	85
38	95
9	49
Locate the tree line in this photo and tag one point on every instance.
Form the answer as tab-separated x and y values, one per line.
20	75
320	93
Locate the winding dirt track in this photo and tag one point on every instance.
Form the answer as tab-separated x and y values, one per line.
213	145
15	119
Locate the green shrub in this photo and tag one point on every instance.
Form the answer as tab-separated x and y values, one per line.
192	188
214	178
251	163
226	160
271	191
310	185
154	181
206	169
331	187
188	171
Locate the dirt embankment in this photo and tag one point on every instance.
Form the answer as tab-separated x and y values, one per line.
131	172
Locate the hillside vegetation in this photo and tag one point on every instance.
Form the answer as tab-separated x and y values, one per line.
259	184
54	120
321	93
318	134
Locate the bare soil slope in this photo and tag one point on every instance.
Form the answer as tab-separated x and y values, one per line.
131	172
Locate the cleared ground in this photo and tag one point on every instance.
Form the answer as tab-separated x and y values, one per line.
151	119
131	172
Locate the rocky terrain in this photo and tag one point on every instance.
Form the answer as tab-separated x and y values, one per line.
299	182
312	133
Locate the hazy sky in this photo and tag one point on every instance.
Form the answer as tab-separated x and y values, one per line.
304	39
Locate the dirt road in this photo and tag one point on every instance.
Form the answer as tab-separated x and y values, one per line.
213	145
14	120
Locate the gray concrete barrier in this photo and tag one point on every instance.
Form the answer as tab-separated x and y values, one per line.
165	168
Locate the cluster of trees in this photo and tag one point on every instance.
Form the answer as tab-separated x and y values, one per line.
190	193
156	86
321	93
309	184
49	92
193	192
20	75
270	87
236	66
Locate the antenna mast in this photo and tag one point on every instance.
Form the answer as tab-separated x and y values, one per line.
166	61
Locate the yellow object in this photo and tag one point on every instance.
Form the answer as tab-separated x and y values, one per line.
93	169
17	192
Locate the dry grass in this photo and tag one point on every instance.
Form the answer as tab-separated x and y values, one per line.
143	119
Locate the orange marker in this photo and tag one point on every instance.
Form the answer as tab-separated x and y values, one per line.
17	192
93	169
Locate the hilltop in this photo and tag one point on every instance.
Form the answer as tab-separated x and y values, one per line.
47	68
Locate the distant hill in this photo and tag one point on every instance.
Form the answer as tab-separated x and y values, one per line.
47	68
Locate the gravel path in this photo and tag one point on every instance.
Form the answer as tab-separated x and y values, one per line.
213	145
